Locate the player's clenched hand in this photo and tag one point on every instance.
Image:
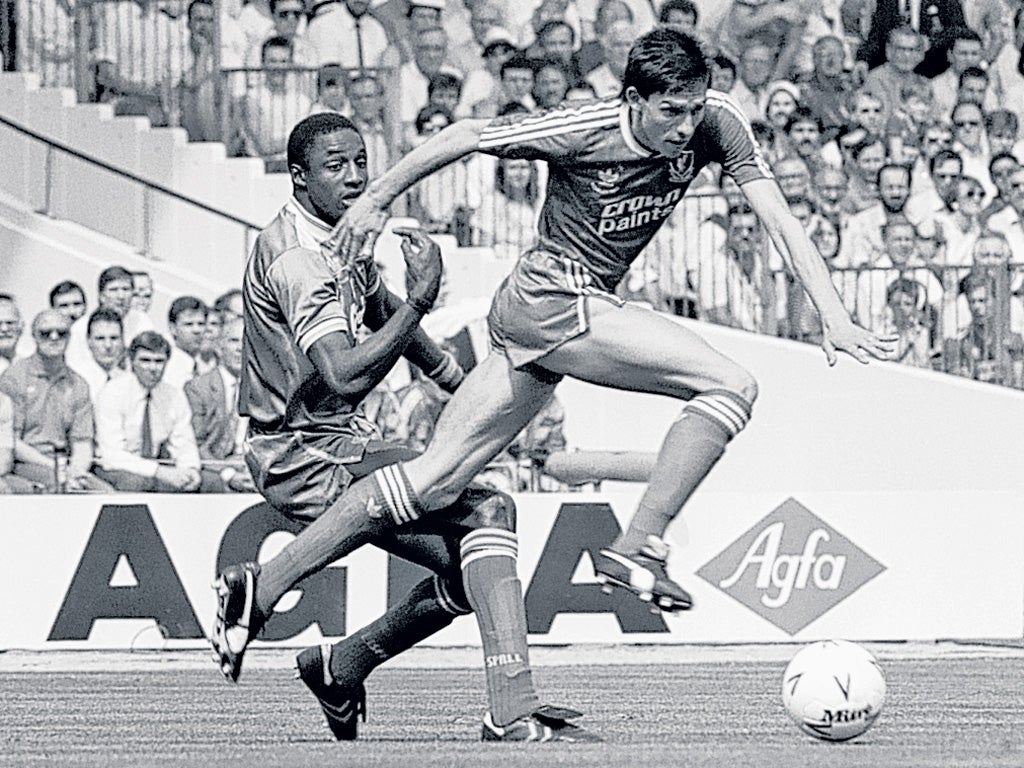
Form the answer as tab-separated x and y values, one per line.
356	232
859	343
423	267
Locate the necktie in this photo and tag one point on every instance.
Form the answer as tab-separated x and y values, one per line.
147	430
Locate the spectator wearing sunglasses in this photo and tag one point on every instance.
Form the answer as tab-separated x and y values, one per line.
970	142
53	413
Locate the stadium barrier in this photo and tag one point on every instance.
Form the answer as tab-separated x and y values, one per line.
133	572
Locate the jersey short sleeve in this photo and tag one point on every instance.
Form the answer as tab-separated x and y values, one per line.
554	134
307	295
741	156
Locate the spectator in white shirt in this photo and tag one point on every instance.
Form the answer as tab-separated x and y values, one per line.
105	337
139	418
186	321
116	289
68	298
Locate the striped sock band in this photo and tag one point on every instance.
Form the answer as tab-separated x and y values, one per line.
397	494
445	599
489	542
726	409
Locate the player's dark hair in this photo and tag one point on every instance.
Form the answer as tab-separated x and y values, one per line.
305	133
64	287
665	60
151	341
104	315
113	274
185	304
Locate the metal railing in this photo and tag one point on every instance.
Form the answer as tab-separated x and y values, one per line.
149	188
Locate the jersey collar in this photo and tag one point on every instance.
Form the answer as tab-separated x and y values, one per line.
314	226
627	133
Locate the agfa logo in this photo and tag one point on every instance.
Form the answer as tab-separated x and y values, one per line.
791	568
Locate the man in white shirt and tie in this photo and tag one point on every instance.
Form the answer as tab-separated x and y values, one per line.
186	320
140	416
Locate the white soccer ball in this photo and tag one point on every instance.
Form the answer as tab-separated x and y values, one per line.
834	690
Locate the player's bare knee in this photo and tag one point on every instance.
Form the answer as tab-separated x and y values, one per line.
497	510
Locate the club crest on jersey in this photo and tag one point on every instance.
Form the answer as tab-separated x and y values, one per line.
680	170
607	181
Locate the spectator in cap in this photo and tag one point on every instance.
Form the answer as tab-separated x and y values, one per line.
482	89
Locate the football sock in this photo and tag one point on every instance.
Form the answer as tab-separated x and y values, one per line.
492	586
693	445
373	504
428	608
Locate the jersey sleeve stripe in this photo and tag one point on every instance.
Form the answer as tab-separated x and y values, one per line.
557	124
729	105
318	331
555	115
543	132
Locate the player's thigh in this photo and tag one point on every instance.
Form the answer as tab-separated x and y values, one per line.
489	408
634	348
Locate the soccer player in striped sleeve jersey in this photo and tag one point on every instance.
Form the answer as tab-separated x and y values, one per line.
616	169
303	377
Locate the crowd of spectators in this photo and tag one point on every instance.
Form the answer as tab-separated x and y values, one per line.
894	129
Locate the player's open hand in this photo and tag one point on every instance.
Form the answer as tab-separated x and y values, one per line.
357	230
423	267
860	343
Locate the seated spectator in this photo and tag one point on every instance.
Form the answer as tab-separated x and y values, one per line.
934	20
944	170
219	430
783	99
681	14
754	70
551	84
969	142
591	54
436	199
804	137
330	90
270	108
68	298
105	338
482	88
142	292
779	25
289	17
430	50
606	79
910	317
10	330
366	95
1010	221
229	303
964	53
186	320
862	236
826	89
899	259
208	355
197	87
803	321
8	483
868	112
141	419
445	90
53	413
957	230
989	351
136	78
1001	130
507	219
556	40
793	176
904	50
1000	170
723	73
868	157
992	253
116	291
517	78
829	193
345	33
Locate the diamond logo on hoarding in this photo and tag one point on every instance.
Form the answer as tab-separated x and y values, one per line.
791	568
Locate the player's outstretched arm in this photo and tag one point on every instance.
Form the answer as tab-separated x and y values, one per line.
839	332
358	228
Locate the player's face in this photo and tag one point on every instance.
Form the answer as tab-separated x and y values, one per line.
106	344
335	175
148	367
665	122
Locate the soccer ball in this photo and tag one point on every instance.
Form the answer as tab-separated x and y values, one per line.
834	690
